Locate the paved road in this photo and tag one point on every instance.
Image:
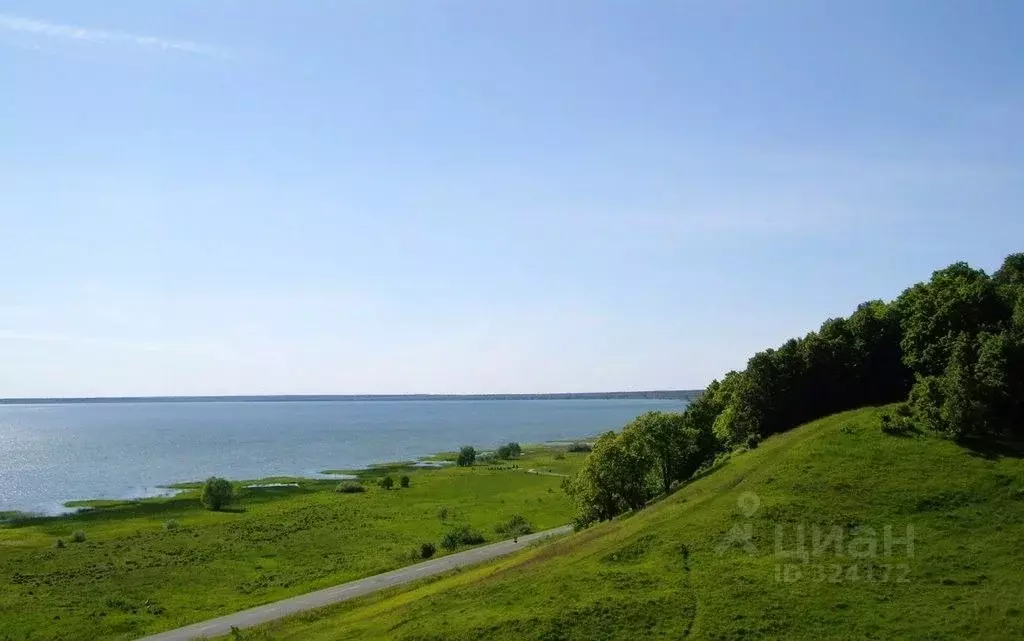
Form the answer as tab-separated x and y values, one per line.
531	471
350	590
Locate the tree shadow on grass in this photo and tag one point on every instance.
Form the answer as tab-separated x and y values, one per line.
993	449
255	495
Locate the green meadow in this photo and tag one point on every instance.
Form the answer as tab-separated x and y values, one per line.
151	565
721	557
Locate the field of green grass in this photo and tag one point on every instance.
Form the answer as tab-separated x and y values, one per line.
152	565
719	559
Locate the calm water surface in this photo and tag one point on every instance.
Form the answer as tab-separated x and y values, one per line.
50	454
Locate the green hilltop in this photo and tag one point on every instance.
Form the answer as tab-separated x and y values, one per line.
681	568
773	507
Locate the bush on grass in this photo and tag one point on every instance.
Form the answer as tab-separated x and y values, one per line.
461	535
217	493
467	455
517	525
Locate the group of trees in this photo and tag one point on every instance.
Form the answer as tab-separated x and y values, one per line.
964	338
847	363
509	451
468	454
386	482
954	345
625	469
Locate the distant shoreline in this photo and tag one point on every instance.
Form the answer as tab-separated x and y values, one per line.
652	394
437	460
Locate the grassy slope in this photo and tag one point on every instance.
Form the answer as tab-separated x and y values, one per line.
661	574
132	576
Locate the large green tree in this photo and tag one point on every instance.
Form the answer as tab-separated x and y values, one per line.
957	299
612	479
676	449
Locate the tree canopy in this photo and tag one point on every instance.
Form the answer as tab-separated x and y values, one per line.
217	493
952	347
509	451
467	456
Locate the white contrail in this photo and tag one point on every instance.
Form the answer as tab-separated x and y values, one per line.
102	36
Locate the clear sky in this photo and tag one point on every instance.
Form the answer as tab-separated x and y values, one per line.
387	196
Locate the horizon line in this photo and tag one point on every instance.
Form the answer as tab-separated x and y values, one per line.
314	397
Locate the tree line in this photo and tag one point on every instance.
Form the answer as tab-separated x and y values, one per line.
952	348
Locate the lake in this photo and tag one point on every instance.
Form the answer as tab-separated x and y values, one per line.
52	453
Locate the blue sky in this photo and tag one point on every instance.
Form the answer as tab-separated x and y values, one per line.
252	196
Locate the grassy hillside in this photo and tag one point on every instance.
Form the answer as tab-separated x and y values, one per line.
668	571
135	573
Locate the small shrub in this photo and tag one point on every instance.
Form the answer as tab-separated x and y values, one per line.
59	544
559	457
78	536
443	513
450	541
517	525
171	525
387	482
579	446
217	493
509	451
404	481
118	602
467	456
427	550
898	422
461	535
350	487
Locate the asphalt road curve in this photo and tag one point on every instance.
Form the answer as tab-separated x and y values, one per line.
352	589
